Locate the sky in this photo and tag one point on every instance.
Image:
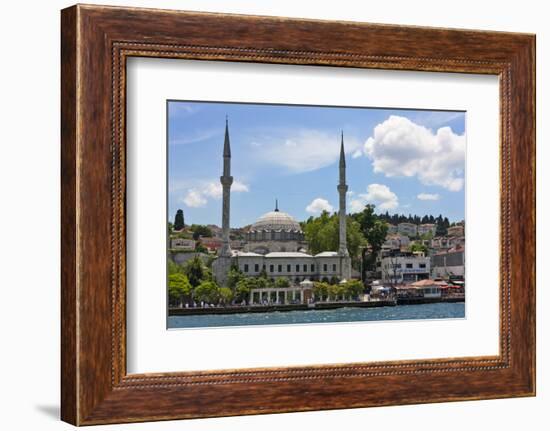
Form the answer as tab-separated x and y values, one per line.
402	161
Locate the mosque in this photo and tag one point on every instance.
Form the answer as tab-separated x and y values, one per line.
275	243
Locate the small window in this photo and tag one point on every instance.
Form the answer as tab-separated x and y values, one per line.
312	267
297	268
288	268
279	268
256	268
270	268
325	268
409	265
246	267
334	267
422	265
305	267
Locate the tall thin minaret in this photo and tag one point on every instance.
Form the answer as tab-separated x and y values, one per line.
342	189
343	253
226	179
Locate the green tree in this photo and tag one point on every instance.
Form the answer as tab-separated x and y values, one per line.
174	268
353	288
320	290
207	291
196	271
374	230
200	230
282	282
199	248
418	247
178	288
234	275
322	234
225	295
179	222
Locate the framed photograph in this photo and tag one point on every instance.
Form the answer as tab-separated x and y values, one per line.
264	214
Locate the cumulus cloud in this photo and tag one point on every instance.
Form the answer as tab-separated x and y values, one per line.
198	196
194	199
318	205
377	194
400	147
428	196
302	150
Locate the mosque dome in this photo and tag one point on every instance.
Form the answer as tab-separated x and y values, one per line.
276	221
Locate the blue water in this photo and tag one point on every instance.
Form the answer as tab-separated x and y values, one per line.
440	310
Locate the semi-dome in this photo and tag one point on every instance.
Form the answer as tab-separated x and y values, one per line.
276	221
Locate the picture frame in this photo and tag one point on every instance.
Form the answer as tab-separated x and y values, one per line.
96	41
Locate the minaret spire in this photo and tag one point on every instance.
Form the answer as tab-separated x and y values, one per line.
226	180
276	205
345	264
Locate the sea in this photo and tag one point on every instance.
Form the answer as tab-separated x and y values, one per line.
441	310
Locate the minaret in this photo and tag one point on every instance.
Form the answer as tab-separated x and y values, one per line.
226	179
345	261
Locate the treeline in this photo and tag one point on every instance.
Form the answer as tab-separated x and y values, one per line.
415	219
192	283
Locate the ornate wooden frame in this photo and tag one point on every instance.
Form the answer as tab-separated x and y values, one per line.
95	43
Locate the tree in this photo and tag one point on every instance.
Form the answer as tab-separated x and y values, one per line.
200	230
374	230
207	291
282	282
225	295
174	268
353	288
320	290
199	248
234	275
196	271
418	247
178	288
334	280
322	234
179	222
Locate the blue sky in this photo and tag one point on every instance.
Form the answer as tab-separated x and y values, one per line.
403	161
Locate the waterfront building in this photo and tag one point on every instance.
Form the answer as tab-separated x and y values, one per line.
404	267
275	243
448	263
409	229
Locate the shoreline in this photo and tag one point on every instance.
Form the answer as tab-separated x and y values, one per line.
307	307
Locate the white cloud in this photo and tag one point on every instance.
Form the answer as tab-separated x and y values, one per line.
428	196
194	199
198	196
302	150
377	194
401	147
318	205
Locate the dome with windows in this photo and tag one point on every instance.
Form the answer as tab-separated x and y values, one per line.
276	221
273	229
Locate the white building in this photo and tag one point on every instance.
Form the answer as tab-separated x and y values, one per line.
401	268
182	244
427	228
392	228
409	229
294	266
396	242
447	263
